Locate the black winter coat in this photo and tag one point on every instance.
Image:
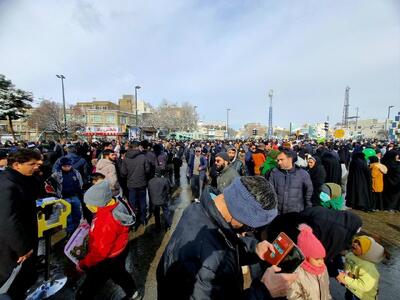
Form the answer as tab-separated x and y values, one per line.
317	176
18	222
359	183
293	188
135	168
159	190
203	257
332	167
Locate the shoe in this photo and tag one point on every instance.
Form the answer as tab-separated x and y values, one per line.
196	200
135	295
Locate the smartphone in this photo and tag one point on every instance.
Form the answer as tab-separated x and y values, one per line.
287	255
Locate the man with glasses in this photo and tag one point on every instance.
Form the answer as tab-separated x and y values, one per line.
18	223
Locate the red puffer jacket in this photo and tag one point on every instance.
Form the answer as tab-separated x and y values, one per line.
108	235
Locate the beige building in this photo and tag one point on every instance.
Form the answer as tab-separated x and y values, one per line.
21	129
253	130
105	118
211	130
367	129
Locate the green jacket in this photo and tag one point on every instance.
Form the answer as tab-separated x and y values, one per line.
269	164
364	283
335	203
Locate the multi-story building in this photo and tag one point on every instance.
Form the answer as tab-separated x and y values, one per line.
253	130
211	130
366	129
105	118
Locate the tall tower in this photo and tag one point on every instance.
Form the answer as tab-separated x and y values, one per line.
346	105
270	132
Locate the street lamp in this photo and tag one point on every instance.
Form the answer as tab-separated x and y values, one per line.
387	121
227	123
62	77
136	103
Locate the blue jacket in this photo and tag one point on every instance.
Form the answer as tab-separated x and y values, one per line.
203	165
294	189
78	163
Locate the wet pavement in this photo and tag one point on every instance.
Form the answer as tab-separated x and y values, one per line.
147	245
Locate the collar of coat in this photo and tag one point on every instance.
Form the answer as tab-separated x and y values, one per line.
212	212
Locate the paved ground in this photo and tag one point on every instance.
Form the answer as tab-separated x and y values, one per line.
147	245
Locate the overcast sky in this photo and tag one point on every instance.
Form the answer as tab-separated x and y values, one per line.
214	54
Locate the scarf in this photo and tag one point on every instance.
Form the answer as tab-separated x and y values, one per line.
308	267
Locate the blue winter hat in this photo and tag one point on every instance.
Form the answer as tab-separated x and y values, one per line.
65	161
244	207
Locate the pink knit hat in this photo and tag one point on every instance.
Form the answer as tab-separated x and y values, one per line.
309	244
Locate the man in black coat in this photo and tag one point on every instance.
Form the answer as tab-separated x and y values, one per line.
204	255
136	168
18	223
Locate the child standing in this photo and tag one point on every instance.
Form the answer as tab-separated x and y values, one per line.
361	276
108	243
313	280
377	172
69	187
159	195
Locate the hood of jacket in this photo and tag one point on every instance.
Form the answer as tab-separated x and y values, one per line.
102	163
121	214
133	154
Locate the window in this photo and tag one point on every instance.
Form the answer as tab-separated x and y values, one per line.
110	119
96	118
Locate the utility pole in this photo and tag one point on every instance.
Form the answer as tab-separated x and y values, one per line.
346	105
270	131
62	77
136	107
227	123
387	122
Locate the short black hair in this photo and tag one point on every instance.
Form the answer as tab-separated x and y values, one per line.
22	156
107	152
134	144
262	190
288	153
3	154
373	159
97	176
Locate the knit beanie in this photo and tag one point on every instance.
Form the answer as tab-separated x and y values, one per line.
309	244
65	161
99	194
365	243
223	155
371	250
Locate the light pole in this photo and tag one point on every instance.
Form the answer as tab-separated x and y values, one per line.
227	122
387	121
136	103
62	77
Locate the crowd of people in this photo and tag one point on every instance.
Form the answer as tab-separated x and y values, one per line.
244	194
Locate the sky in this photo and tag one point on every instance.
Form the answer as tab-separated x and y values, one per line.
213	54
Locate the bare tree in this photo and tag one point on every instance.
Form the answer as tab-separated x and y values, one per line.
172	117
48	116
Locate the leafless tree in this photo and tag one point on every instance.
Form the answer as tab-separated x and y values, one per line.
48	116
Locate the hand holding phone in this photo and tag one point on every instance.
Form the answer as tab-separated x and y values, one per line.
286	255
277	283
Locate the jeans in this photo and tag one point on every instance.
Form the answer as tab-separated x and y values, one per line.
74	217
137	200
166	213
195	185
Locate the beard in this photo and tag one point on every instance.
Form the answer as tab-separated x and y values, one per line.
219	168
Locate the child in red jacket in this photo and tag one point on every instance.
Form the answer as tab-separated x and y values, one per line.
108	241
